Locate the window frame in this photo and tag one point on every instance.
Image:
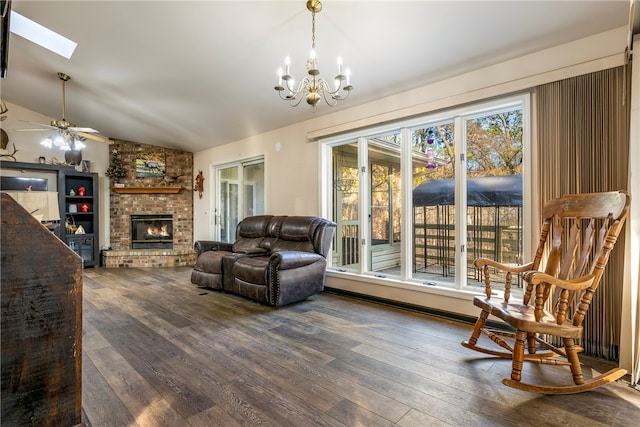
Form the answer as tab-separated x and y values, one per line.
459	115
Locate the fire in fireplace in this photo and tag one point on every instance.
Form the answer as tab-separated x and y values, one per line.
152	231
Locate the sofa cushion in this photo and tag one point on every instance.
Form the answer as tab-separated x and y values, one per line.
273	232
299	228
250	233
296	234
251	270
254	226
211	261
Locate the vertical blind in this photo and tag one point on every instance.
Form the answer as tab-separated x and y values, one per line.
583	147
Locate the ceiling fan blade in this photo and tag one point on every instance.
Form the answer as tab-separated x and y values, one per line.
78	129
94	137
38	124
29	130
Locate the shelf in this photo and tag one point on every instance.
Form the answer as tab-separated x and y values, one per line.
150	190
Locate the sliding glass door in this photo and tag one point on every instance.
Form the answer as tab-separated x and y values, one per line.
239	194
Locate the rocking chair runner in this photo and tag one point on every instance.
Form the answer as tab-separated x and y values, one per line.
573	254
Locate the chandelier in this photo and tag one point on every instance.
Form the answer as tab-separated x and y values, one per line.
313	87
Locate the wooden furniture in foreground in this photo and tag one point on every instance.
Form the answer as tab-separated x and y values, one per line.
577	236
41	323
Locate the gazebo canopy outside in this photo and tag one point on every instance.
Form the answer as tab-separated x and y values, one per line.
484	191
494	212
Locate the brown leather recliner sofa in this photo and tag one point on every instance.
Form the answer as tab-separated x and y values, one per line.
276	260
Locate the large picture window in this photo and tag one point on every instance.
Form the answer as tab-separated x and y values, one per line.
417	203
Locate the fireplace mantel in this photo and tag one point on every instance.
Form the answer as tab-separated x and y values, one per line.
149	190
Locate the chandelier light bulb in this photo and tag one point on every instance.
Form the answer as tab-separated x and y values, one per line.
47	142
287	62
339	65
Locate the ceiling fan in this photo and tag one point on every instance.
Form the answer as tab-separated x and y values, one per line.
69	132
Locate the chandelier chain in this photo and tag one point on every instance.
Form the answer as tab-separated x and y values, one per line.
313	30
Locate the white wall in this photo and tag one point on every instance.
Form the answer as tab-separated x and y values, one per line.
29	150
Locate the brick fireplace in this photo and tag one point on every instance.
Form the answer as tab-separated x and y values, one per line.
148	209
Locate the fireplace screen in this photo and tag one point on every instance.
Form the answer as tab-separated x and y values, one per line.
151	232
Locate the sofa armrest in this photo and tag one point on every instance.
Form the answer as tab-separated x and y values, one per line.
294	276
209	245
288	260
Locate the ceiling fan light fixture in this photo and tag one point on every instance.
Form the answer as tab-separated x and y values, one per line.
47	142
67	136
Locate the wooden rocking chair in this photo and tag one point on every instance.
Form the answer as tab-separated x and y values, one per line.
573	254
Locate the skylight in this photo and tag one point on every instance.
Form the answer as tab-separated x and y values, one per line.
32	31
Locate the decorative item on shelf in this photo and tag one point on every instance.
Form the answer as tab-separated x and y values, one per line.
313	87
73	208
42	160
169	180
116	169
70	225
84	208
199	186
80	230
72	192
81	191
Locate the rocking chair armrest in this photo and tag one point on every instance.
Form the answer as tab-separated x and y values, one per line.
537	277
481	262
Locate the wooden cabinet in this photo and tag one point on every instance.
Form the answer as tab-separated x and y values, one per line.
78	200
78	203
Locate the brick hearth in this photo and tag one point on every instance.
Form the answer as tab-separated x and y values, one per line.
179	205
148	258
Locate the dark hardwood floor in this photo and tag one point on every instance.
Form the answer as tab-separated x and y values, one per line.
158	351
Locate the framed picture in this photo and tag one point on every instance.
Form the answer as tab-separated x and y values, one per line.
150	164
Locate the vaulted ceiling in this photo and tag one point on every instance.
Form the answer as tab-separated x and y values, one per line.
192	75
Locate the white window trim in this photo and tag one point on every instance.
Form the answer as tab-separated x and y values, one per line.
460	115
